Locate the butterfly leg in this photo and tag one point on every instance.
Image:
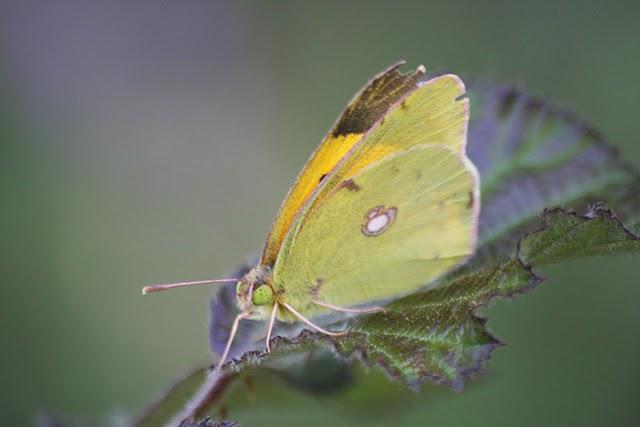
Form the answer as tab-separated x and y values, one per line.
310	323
271	322
232	335
349	310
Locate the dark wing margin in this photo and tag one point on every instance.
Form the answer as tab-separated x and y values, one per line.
373	101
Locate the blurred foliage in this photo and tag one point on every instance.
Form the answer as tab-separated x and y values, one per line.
173	400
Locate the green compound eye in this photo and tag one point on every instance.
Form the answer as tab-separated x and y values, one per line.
262	295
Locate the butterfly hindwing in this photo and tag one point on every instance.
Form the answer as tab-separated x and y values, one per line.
393	227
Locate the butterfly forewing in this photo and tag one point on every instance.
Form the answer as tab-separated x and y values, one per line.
366	108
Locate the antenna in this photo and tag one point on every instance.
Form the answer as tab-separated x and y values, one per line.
166	286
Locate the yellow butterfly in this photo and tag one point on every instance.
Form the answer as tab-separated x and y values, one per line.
388	202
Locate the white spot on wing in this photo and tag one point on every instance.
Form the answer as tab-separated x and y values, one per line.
378	220
377	223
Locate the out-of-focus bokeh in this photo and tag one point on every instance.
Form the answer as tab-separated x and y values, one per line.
153	141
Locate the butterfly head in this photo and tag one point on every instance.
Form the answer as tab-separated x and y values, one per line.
254	292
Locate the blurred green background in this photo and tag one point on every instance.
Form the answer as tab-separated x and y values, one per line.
153	141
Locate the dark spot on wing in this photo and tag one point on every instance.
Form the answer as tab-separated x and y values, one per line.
350	185
324	175
403	106
461	97
471	200
375	99
418	174
315	289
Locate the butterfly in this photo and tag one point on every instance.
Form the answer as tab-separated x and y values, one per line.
387	203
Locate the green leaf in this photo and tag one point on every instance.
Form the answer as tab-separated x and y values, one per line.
208	422
318	374
567	236
531	157
436	334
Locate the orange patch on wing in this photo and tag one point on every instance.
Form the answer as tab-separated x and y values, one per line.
322	162
374	154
